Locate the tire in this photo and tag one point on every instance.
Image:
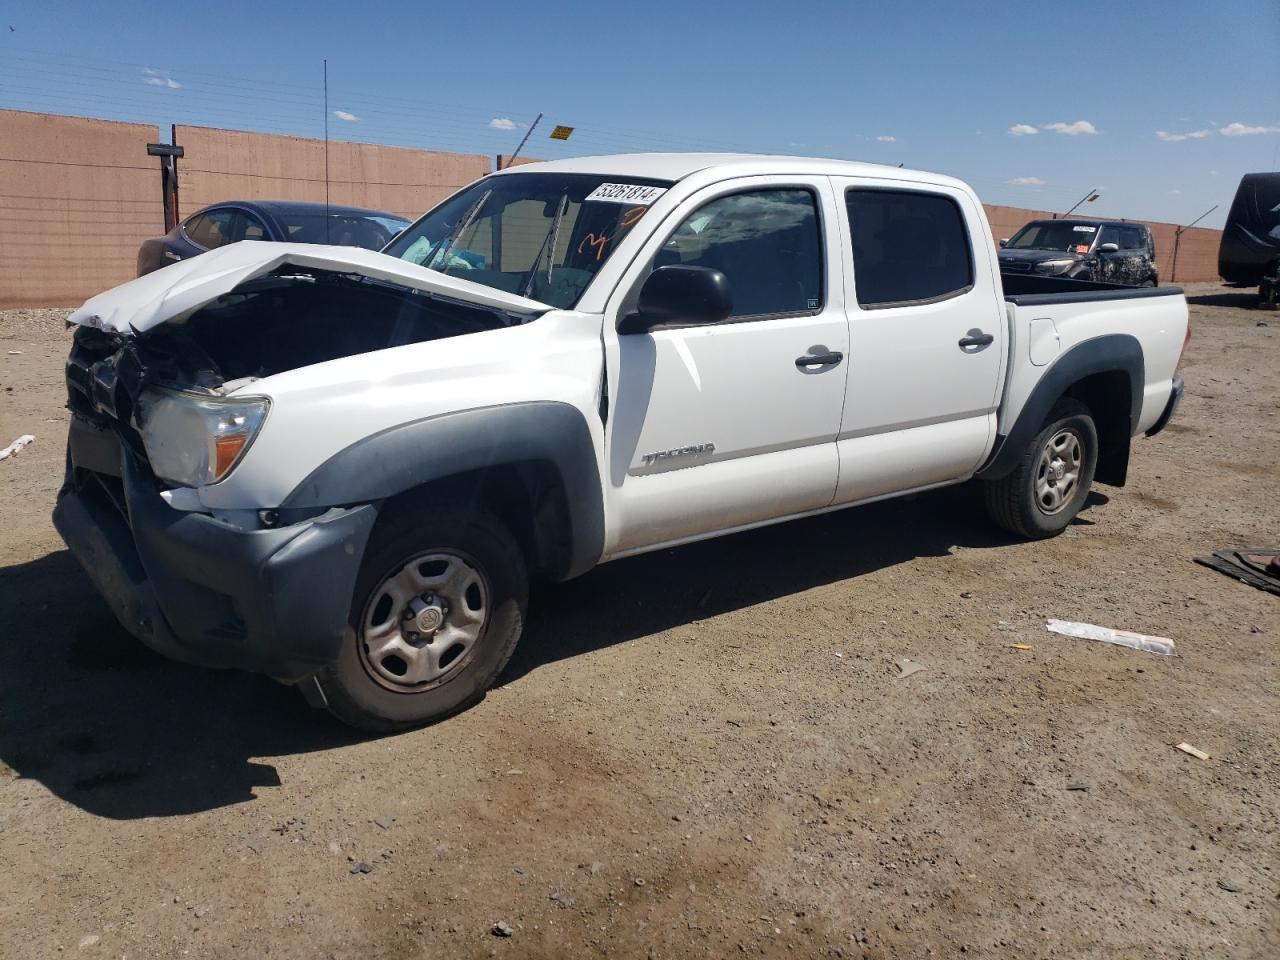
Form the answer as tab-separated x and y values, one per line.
460	578
1017	502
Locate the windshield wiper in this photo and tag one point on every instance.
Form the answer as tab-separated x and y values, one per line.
553	235
454	234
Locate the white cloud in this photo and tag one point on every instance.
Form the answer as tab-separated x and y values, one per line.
1240	130
887	139
158	78
1071	129
1175	192
346	115
1174	137
1023	130
502	123
1027	182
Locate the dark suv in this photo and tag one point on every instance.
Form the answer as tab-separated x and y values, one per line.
1099	250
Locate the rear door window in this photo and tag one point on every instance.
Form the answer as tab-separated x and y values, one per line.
1131	239
908	247
253	228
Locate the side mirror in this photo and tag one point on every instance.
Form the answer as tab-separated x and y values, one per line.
687	296
1109	248
1004	241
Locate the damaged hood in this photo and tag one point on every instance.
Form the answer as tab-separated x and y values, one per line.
182	288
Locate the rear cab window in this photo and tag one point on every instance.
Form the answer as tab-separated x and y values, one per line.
909	247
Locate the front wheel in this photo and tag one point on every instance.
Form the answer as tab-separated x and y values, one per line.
1047	488
439	605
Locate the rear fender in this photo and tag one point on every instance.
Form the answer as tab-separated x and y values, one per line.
1110	354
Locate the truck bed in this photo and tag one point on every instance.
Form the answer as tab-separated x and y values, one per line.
1063	290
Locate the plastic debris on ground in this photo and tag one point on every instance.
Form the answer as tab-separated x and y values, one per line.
1257	566
17	445
907	667
1124	638
1020	646
1192	751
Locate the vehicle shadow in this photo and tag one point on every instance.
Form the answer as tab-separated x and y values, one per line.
1245	299
639	596
122	733
104	723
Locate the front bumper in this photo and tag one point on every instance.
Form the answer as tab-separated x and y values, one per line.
203	591
1175	397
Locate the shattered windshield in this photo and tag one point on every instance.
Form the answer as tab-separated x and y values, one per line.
1063	236
539	235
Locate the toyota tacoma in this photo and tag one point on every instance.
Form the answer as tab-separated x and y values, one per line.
341	468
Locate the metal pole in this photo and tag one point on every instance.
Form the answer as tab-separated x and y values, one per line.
1092	193
512	158
1177	241
326	151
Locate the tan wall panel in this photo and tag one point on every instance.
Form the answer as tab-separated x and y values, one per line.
239	165
77	197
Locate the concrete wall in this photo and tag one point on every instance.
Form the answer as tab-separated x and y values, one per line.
239	165
77	197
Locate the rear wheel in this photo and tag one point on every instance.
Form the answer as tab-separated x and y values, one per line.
438	608
1047	488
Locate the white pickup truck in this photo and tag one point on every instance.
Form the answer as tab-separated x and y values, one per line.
340	467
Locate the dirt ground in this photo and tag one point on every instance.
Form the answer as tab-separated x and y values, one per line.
702	752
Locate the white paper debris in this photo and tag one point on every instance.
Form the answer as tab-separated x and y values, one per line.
1123	638
17	445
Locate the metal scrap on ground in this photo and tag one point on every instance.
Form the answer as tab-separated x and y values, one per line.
1124	638
1257	566
1193	751
907	667
17	445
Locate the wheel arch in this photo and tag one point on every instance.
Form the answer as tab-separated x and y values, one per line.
533	464
1106	374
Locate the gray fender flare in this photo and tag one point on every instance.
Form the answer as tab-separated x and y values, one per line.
411	454
1117	352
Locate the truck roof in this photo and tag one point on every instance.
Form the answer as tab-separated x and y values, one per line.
677	166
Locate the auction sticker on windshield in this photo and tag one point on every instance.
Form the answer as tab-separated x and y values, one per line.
1085	229
633	193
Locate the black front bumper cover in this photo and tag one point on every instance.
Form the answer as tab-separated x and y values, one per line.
203	591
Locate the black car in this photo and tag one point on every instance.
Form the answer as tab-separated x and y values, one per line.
285	220
1250	249
1103	251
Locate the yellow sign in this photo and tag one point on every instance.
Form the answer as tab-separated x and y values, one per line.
561	132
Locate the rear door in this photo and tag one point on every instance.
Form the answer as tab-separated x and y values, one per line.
1133	251
722	426
927	337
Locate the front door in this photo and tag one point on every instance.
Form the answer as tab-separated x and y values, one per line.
716	427
927	338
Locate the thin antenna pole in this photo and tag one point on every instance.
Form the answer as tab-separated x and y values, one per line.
1177	240
512	158
326	151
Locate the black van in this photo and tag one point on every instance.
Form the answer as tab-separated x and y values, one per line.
1250	250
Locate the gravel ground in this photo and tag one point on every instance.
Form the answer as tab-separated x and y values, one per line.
698	752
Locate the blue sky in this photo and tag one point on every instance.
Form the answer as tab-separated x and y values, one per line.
1162	105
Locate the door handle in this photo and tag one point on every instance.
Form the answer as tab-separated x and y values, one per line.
819	359
978	339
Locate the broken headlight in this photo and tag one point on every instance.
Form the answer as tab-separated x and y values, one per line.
193	439
1054	267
